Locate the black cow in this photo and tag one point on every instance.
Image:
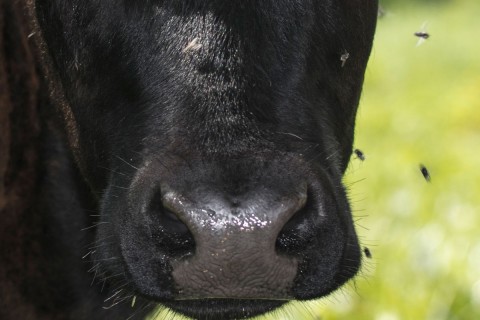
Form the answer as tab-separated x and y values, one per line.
196	162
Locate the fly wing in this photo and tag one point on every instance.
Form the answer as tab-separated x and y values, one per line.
420	41
423	29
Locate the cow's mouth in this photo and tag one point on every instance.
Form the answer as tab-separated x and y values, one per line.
223	308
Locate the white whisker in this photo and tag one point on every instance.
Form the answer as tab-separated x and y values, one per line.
128	163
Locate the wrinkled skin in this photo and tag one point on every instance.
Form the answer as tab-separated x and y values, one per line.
213	136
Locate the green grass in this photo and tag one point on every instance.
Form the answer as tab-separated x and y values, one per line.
420	105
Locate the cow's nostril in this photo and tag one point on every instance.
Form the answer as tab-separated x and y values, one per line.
172	223
172	234
298	232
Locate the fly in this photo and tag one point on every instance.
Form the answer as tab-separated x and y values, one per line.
367	253
422	35
359	153
425	173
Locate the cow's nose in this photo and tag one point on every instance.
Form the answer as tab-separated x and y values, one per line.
239	247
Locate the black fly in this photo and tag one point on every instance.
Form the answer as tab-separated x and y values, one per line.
425	173
360	155
367	253
422	34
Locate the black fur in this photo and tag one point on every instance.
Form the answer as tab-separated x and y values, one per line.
203	97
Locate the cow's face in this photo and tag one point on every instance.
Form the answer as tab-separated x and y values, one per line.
216	134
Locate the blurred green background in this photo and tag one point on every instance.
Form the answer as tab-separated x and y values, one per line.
420	105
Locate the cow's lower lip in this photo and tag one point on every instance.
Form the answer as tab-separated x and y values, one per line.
223	309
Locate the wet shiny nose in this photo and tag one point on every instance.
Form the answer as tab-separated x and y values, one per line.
225	246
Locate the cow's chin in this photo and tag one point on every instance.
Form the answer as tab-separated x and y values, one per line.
223	309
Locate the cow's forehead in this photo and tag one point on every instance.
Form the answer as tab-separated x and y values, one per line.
220	69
